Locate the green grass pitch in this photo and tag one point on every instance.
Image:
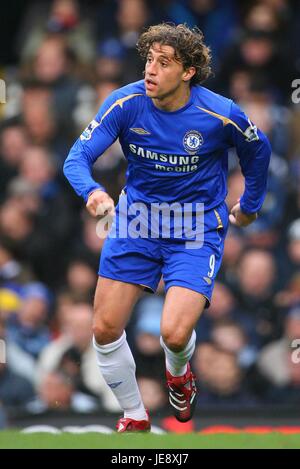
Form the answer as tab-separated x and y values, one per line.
16	439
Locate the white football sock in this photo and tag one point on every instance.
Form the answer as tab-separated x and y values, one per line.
176	362
117	366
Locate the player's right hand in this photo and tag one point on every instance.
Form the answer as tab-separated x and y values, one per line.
99	204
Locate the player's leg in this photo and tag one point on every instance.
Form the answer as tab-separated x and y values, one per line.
181	312
114	301
189	276
113	304
126	268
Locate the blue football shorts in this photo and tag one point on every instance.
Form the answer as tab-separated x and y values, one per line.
143	261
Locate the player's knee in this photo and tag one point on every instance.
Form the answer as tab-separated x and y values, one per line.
175	340
106	333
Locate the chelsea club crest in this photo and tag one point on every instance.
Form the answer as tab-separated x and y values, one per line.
192	141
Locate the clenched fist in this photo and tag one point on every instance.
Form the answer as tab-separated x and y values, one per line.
238	218
100	203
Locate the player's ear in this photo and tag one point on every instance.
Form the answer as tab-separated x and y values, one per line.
188	73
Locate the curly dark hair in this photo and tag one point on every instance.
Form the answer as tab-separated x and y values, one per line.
188	44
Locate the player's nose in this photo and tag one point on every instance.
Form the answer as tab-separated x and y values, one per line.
152	68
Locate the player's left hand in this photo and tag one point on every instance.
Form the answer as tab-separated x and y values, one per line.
239	218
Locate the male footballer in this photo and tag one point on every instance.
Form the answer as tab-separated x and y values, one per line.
175	135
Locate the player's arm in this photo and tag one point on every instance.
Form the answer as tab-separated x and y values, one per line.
92	143
254	151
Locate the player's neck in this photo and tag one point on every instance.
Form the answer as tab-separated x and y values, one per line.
174	101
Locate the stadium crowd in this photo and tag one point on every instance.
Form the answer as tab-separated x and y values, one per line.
70	58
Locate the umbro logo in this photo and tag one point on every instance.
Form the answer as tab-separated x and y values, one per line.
208	280
114	385
140	131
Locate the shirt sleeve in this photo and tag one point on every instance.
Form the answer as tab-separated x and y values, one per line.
254	152
101	132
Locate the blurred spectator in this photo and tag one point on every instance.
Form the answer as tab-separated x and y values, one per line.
291	294
27	328
216	18
263	17
293	246
235	187
11	270
240	85
88	244
234	246
15	390
16	225
38	168
153	393
285	376
220	378
81	279
255	292
259	52
47	216
103	89
52	66
57	393
20	362
257	273
51	75
131	17
24	193
149	354
13	143
231	337
224	308
109	62
290	268
58	16
43	119
9	301
294	150
76	332
37	113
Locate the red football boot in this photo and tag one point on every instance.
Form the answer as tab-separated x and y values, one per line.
182	394
125	425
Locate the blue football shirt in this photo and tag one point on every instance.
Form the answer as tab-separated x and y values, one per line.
179	156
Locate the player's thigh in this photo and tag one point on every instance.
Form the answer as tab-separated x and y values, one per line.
135	261
114	301
189	274
182	310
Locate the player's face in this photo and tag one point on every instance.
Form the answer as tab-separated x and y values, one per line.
164	75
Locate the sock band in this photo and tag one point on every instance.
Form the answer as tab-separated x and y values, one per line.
108	348
176	362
